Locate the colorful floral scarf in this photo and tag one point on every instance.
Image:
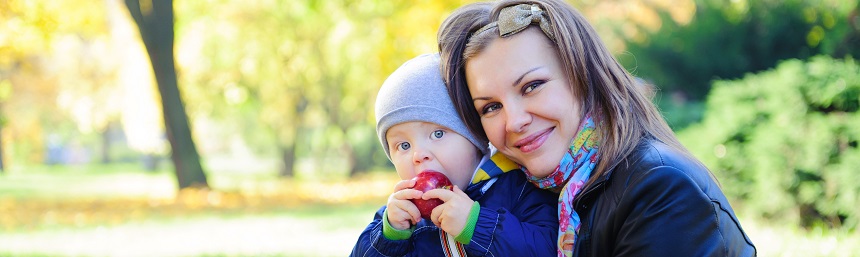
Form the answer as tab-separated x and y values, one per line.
568	179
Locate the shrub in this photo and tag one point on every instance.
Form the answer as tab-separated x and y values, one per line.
785	141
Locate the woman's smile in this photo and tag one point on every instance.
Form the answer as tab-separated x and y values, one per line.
534	141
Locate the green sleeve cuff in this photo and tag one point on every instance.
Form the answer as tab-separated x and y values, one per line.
466	236
392	233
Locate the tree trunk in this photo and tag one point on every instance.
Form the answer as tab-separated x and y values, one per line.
353	160
106	134
2	165
150	162
288	155
359	161
155	20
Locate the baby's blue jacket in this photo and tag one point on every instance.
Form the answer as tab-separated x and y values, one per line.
516	219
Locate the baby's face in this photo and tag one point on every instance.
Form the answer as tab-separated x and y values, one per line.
419	146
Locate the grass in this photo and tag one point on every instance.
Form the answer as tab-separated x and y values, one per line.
93	181
121	210
307	231
773	239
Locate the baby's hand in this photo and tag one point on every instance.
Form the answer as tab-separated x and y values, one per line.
402	213
453	214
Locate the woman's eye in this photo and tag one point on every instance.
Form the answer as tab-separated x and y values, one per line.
403	146
438	133
490	108
531	86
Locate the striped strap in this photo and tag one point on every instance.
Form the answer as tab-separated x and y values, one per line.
450	246
497	165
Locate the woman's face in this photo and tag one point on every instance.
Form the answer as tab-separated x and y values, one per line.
525	101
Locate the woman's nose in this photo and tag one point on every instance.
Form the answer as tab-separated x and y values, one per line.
517	118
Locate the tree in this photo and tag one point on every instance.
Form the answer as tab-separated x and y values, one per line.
28	34
155	21
5	90
299	77
727	39
682	45
263	98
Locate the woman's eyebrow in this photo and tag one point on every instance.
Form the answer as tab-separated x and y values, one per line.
517	82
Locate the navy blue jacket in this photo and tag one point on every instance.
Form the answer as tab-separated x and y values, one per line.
516	219
659	202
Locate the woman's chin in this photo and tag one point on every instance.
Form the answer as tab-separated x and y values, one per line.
540	169
539	165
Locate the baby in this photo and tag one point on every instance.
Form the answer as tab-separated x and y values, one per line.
489	212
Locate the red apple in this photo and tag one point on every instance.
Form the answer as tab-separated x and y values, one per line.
425	181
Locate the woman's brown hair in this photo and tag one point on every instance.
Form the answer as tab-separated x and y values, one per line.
623	110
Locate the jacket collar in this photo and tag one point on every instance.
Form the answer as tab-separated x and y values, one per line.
590	191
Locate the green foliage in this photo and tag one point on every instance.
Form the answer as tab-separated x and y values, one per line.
679	114
726	39
300	74
33	70
785	141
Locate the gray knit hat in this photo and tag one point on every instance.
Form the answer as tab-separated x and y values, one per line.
416	92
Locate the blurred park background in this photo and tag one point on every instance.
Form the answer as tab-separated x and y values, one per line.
254	133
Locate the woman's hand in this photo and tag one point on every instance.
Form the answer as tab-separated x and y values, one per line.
454	213
402	213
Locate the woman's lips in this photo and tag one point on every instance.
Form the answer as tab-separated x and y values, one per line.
533	141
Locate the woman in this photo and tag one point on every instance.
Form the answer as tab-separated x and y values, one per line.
534	78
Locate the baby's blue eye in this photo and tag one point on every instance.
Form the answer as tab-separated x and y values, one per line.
403	146
438	133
